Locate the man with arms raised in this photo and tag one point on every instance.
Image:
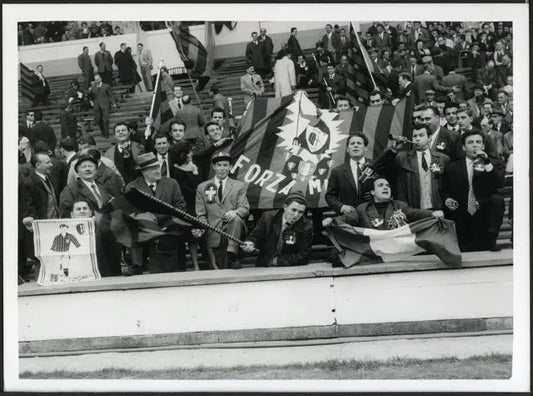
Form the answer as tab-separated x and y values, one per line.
349	184
221	202
283	237
125	154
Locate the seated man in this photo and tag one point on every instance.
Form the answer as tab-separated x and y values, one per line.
283	237
221	202
470	195
382	213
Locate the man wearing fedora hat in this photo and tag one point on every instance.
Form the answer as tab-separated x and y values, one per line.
221	202
165	254
283	237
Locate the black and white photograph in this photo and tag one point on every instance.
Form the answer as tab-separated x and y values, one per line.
317	193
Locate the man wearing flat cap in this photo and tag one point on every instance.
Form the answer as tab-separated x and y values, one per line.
283	237
165	254
221	202
84	188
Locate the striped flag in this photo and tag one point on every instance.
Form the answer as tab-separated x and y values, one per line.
364	245
288	144
191	50
359	81
27	80
162	112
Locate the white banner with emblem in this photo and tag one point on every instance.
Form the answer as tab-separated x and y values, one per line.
66	249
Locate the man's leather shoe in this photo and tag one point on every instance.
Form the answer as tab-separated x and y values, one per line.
495	248
132	270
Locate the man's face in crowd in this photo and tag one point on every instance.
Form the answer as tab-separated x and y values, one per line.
421	139
431	119
478	91
214	133
472	145
139	48
102	47
464	120
417	116
218	117
294	32
161	145
152	174
178	93
502	98
430	97
30	116
122	134
177	131
485	126
416	25
263	32
87	170
40	69
254	36
81	210
86	50
451	115
343	105
490	65
344	60
498	46
250	70
222	169
496	119
97	79
440	107
463	106
381	192
343	33
44	165
330	70
328	29
293	212
356	148
375	100
301	59
123	47
487	109
509	81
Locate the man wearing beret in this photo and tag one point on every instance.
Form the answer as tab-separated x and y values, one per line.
221	202
283	237
166	253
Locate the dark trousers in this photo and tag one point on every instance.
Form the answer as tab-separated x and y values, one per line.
479	232
88	77
107	77
165	254
41	99
101	116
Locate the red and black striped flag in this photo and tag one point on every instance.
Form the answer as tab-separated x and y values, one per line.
287	144
27	80
192	52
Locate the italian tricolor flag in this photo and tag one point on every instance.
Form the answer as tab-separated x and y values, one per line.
364	245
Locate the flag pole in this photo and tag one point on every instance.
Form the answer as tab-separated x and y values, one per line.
364	57
148	130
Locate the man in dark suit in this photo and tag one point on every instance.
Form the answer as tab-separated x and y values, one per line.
293	45
345	44
255	53
382	40
283	237
471	198
41	88
164	254
417	33
194	119
465	119
406	87
104	63
102	97
416	173
334	84
27	124
125	64
414	69
457	82
498	123
442	140
68	121
86	66
268	46
161	147
349	184
305	73
42	131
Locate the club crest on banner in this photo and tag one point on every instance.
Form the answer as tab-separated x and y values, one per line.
309	139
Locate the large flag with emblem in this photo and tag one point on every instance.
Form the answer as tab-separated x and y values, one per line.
288	144
357	245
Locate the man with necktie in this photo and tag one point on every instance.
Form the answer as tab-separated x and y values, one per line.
166	253
471	195
41	88
161	146
125	153
283	237
102	97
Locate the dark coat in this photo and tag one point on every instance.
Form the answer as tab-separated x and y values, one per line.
266	234
294	48
44	132
342	189
126	66
255	53
69	123
403	168
34	197
78	190
365	215
85	64
449	143
102	97
103	61
167	190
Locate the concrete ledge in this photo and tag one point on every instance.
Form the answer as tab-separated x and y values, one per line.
316	270
234	338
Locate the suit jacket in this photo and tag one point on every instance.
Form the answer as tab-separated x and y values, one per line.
34	196
294	48
345	48
338	83
167	190
40	88
335	42
145	58
103	61
251	86
211	211
194	119
382	43
405	92
136	150
485	184
102	97
423	35
85	64
266	234
424	82
78	190
167	85
255	53
366	214
448	143
404	167
419	69
44	132
457	80
342	189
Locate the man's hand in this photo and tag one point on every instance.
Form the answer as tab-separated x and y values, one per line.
327	222
395	101
197	232
28	223
221	142
451	204
248	247
148	121
230	215
114	105
347	209
439	214
329	89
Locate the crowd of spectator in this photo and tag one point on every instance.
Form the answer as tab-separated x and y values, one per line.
462	143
